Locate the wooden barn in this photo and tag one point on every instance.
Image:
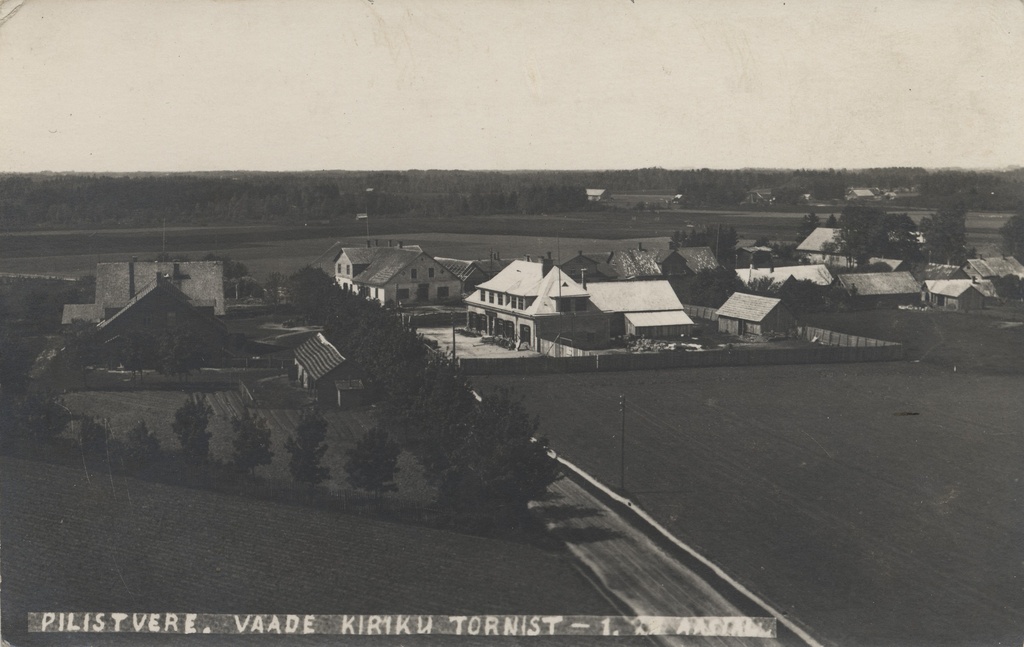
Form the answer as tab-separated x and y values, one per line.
881	289
958	294
748	314
324	372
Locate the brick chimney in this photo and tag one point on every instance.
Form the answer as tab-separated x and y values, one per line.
546	264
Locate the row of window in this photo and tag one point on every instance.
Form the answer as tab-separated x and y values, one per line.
413	272
442	293
502	299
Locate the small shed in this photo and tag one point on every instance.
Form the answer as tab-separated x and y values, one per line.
880	289
321	369
657	325
748	314
958	294
597	195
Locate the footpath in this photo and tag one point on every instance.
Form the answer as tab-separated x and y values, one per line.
640	576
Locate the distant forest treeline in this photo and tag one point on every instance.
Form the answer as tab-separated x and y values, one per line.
78	200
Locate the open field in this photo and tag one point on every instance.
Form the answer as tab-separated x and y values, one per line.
875	503
124	408
985	341
268	248
132	546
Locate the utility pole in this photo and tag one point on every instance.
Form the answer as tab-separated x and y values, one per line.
622	445
453	336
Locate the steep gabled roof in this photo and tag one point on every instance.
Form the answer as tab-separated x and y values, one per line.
634	263
386	263
747	307
880	283
633	296
526	279
595	193
991	267
893	263
318	356
201	281
157	286
817	274
459	268
818	239
938	272
952	288
698	258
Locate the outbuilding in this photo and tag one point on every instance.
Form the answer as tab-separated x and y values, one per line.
749	314
959	294
322	370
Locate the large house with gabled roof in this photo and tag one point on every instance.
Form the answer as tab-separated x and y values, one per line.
395	275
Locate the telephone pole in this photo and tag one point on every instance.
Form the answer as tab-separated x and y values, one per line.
622	445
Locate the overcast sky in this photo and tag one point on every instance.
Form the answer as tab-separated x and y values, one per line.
179	85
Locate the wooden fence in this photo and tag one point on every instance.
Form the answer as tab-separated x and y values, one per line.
830	348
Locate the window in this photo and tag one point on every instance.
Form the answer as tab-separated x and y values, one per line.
348	269
501	299
403	293
490	297
442	293
430	272
413	273
339	268
581	305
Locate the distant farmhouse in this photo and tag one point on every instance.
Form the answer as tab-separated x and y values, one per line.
748	314
957	294
154	297
991	268
863	194
880	289
823	246
779	276
396	275
598	195
327	375
759	197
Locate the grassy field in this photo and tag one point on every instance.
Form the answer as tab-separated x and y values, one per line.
267	248
876	503
986	341
124	408
131	546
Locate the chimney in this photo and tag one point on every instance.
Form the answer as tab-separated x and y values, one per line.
390	242
131	277
545	265
583	277
581	252
528	259
367	242
640	246
974	279
497	254
400	245
376	242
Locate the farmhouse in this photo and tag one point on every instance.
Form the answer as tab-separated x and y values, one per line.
817	274
861	194
398	275
643	309
597	195
880	289
587	268
990	268
469	273
823	245
759	196
957	294
748	314
537	305
753	256
322	370
161	306
201	282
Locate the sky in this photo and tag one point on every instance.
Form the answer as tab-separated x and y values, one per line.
203	85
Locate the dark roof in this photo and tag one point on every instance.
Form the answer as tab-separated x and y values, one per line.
990	267
698	258
461	269
200	281
748	307
937	272
91	312
880	283
158	285
633	263
318	356
385	264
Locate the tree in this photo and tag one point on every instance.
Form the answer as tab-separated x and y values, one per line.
15	362
251	443
307	449
866	232
40	417
311	289
1013	234
373	463
138	450
831	222
500	466
711	288
81	348
809	223
92	435
190	423
136	350
945	235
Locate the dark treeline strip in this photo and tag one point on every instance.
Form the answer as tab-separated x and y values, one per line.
74	200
